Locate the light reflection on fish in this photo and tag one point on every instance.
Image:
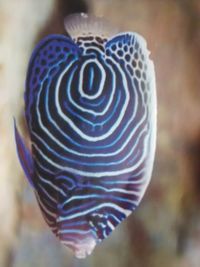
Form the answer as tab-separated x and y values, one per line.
90	105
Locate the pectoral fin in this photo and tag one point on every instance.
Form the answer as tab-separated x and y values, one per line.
24	155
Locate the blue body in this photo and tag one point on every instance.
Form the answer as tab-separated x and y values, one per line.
90	116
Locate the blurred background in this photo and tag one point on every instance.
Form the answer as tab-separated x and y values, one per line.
165	230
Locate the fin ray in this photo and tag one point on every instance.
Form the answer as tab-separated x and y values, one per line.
82	24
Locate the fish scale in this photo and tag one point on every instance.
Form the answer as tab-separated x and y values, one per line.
90	106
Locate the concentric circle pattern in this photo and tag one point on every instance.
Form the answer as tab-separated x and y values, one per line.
90	109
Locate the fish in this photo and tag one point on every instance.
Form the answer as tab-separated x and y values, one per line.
91	112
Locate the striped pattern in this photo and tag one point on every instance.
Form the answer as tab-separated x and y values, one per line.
90	110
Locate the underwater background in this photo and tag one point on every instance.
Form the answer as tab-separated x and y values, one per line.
165	229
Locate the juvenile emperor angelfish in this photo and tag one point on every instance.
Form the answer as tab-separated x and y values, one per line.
90	106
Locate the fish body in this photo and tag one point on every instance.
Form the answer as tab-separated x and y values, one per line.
90	106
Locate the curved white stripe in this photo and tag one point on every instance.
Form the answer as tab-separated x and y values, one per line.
118	190
92	196
111	226
91	155
115	162
85	52
51	184
97	174
92	111
47	194
126	212
127	140
103	78
76	129
44	209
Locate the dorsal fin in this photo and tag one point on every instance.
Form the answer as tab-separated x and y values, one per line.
78	25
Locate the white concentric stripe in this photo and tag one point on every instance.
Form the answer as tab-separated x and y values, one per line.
92	154
117	190
45	209
42	167
83	154
110	225
46	193
94	48
46	202
97	174
76	129
122	182
130	181
87	155
126	212
96	196
132	150
91	111
115	218
103	78
51	184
